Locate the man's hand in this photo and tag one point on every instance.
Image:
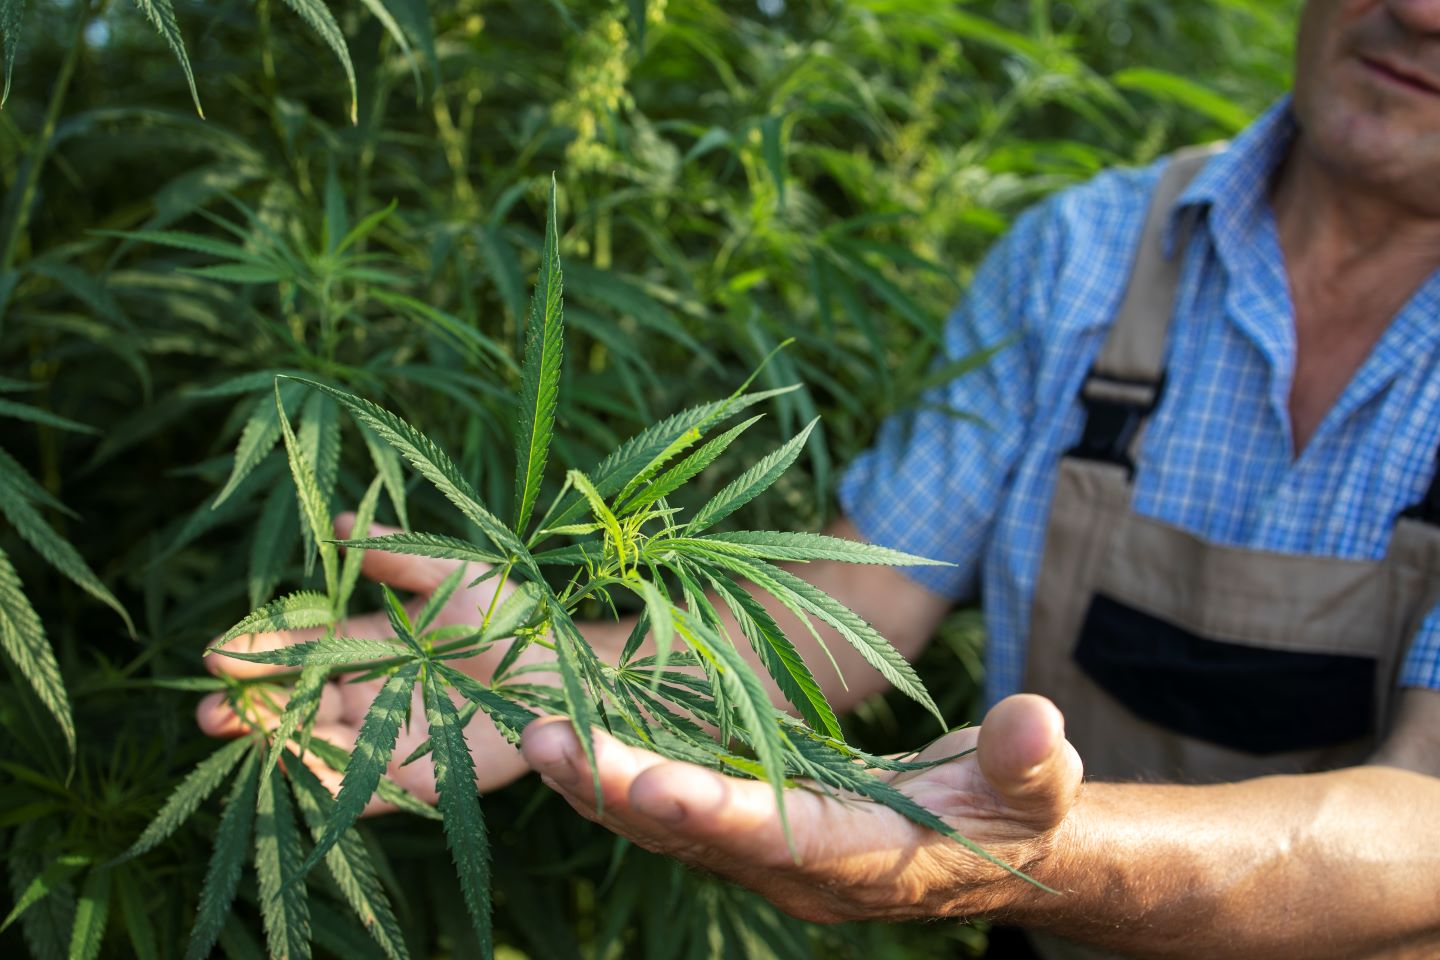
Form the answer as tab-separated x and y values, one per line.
343	704
853	860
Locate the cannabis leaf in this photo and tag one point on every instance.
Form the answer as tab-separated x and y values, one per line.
540	381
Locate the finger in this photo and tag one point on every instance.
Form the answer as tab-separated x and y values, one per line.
956	743
498	762
416	574
1026	760
412	778
217	663
356	698
553	750
367	626
670	806
343	737
216	718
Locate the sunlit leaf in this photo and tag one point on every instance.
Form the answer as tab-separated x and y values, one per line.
355	556
750	702
257	438
866	640
617	469
751	483
187	797
314	505
425	545
58	871
460	805
349	863
662	622
304	699
368	761
433	465
283	907
337	758
12	14
510	718
22	635
294	611
327	651
540	376
387	465
815	546
92	914
319	18
222	876
162	16
678	475
1188	93
782	661
438	598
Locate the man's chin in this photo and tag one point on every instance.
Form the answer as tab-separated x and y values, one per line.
1385	153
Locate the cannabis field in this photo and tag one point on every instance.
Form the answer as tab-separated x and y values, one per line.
598	297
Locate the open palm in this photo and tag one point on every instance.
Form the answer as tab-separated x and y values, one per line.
344	700
851	860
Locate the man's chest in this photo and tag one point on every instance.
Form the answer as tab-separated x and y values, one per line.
1219	454
1340	312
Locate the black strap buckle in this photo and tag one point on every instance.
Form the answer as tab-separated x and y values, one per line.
1427	508
1111	424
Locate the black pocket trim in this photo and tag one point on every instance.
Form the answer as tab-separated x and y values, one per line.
1246	698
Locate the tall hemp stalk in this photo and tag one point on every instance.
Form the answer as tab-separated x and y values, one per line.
625	538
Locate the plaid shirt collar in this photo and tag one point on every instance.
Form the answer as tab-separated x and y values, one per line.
1230	201
1233	189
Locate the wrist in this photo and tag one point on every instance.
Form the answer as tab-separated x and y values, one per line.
1049	860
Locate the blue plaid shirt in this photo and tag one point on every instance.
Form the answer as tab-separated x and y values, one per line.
1216	458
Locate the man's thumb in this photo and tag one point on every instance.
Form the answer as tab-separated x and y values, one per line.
1027	761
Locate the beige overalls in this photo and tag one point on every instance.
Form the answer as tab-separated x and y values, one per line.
1177	659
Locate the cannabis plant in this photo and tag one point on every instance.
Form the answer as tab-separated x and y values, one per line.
625	539
736	175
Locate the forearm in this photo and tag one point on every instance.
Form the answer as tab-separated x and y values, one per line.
1341	864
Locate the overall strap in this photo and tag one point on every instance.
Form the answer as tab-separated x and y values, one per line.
1125	383
1427	508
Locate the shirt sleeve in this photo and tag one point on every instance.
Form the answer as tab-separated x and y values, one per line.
932	482
1422	664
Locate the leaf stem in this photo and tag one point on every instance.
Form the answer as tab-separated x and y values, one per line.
495	597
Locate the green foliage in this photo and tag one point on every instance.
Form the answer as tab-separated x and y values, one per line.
192	791
728	694
728	179
464	823
540	383
222	877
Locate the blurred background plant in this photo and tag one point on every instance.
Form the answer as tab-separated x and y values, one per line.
735	174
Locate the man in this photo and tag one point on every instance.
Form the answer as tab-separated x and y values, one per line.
1186	518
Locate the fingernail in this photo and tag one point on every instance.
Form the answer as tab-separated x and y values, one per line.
561	774
555	785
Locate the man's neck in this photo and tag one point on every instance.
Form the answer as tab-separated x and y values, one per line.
1354	257
1333	227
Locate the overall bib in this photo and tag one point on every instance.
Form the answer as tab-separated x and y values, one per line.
1177	659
